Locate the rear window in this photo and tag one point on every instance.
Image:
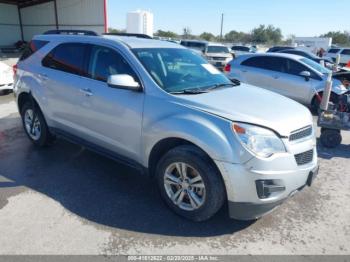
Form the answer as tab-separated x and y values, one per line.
346	52
67	57
31	48
268	63
333	50
240	48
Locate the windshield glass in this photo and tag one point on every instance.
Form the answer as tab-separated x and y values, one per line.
217	49
176	70
315	65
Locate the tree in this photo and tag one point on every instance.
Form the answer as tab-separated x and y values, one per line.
116	31
269	34
207	36
340	38
169	34
187	33
237	37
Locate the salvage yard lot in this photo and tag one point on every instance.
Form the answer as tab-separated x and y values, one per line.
68	200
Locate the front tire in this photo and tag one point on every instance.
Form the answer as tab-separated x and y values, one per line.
35	125
190	183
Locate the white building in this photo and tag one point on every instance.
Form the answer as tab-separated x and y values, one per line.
312	44
140	22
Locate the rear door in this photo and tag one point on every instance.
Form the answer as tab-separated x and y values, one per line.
264	71
64	68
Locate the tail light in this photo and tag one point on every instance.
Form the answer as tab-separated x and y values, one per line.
14	69
227	68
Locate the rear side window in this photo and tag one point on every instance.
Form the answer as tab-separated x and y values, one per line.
68	57
346	52
31	48
268	63
333	50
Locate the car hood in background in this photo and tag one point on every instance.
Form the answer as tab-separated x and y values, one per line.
228	55
253	105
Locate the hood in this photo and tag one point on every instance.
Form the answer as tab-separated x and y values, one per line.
228	55
252	105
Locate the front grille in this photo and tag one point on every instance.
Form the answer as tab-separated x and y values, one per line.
219	58
301	133
304	158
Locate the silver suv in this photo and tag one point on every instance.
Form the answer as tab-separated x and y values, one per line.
162	108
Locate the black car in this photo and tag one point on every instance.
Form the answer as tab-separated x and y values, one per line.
275	49
306	54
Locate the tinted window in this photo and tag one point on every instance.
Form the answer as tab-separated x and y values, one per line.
240	48
67	57
346	52
295	68
333	50
105	62
269	63
31	48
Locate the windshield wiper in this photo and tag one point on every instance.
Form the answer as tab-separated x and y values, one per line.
189	91
217	86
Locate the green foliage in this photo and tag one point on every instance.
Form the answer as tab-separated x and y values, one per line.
339	38
116	31
238	37
207	36
170	34
269	34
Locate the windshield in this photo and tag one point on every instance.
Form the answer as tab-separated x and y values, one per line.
315	65
177	70
217	49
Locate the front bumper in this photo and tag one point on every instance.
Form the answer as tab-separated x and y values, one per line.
6	86
245	202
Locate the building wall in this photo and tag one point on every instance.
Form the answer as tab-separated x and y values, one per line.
37	19
10	31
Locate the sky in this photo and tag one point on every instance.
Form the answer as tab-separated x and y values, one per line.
297	17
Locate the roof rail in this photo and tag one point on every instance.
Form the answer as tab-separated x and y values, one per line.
71	32
130	34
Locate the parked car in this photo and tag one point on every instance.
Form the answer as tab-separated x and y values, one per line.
275	49
218	55
196	45
293	76
343	52
328	62
241	50
163	109
6	78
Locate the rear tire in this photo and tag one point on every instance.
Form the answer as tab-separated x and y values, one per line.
190	183
35	125
330	138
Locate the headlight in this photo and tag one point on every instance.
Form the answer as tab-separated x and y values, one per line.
260	141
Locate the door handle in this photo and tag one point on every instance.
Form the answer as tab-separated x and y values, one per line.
43	77
86	91
275	77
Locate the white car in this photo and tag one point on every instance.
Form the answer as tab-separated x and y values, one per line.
242	50
218	55
6	78
293	76
343	52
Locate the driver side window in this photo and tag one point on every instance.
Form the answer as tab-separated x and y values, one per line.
105	62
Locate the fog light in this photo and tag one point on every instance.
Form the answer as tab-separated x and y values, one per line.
265	188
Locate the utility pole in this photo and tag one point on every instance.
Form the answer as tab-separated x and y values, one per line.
222	24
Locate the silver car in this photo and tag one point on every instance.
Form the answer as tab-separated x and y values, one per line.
218	55
293	76
163	109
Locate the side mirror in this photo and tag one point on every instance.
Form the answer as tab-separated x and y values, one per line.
123	81
306	75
